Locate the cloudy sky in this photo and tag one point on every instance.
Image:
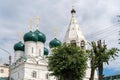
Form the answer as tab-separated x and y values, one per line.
97	18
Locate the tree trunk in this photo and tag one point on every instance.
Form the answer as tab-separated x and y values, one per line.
68	76
100	71
92	62
92	74
66	79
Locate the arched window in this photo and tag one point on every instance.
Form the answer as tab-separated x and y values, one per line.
32	49
18	75
2	71
82	44
34	74
47	76
73	42
39	52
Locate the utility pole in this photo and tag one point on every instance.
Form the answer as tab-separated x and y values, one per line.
119	31
119	38
10	61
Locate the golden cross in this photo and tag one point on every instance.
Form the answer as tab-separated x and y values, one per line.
55	31
20	34
37	21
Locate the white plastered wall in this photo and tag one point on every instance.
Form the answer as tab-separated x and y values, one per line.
40	48
18	54
30	48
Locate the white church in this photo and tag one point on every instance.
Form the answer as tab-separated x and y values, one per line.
30	62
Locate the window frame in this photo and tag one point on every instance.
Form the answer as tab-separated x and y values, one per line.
34	74
73	42
32	50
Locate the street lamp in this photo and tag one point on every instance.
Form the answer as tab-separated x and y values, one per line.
10	62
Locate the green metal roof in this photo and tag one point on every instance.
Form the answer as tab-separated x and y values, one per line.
54	43
41	36
3	78
30	36
19	46
46	52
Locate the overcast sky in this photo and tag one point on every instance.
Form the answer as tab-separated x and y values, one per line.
97	18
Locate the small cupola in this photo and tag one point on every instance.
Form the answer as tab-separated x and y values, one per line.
19	46
41	37
30	36
46	52
54	43
73	11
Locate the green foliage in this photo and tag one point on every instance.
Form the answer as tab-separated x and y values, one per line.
99	55
67	62
106	55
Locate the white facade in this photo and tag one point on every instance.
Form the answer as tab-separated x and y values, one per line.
4	70
31	63
40	48
18	54
31	48
30	71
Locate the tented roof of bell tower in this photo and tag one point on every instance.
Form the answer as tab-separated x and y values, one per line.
74	32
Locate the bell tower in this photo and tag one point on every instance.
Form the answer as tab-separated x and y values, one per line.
75	36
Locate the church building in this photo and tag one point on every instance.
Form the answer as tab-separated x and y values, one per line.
30	62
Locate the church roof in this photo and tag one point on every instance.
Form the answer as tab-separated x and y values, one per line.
74	32
19	46
41	36
46	52
3	78
54	43
30	36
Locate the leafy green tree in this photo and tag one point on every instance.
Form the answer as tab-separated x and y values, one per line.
68	62
100	55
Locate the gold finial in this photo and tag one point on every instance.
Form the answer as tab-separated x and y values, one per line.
31	22
37	21
55	31
20	34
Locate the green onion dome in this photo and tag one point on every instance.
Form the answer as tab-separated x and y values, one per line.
46	51
41	36
30	36
54	43
19	46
